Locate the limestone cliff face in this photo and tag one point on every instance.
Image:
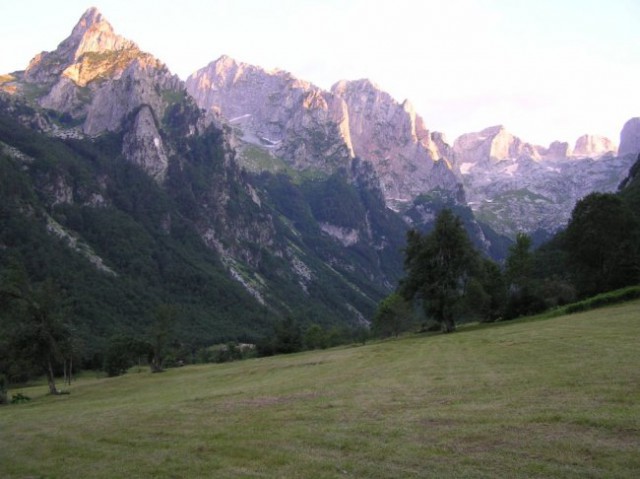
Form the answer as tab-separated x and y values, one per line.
310	128
301	123
100	79
492	144
630	137
593	146
409	159
496	144
515	186
91	35
142	144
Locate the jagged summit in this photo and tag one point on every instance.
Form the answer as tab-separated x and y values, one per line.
311	128
96	77
226	70
93	34
630	137
518	186
93	20
301	123
593	146
363	84
496	143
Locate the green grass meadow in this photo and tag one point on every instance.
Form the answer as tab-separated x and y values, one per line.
543	398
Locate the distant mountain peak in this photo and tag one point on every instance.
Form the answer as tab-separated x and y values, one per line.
88	20
97	77
92	34
593	146
630	137
363	85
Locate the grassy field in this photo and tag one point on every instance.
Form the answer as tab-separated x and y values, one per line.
549	398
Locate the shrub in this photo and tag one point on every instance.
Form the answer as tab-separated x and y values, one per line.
19	398
600	300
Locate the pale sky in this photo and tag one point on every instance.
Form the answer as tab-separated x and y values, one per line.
545	69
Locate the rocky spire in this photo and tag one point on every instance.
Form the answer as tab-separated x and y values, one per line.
630	137
593	146
92	34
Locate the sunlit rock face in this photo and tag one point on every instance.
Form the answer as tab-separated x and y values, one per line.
299	122
516	186
98	77
103	82
315	129
409	159
593	146
92	34
630	138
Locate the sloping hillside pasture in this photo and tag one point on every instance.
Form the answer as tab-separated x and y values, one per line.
548	398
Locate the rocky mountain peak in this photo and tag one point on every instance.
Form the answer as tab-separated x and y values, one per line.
630	137
292	119
593	146
559	150
518	186
362	85
390	134
494	143
97	79
91	25
84	54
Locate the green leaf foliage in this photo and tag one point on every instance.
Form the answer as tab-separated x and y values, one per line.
603	244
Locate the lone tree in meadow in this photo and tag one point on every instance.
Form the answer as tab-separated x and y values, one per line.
393	316
438	266
38	332
161	331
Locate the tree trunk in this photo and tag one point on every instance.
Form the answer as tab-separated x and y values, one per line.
448	325
51	378
156	365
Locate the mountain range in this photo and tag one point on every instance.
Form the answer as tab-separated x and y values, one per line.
243	195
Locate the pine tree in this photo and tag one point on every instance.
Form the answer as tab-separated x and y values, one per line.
438	267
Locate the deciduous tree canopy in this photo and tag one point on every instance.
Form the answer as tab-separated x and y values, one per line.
603	244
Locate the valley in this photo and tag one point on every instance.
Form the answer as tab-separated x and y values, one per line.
246	197
532	398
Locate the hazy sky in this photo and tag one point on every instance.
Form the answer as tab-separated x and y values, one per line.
546	69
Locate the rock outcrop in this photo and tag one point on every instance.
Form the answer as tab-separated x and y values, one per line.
491	145
409	159
295	120
77	56
593	146
630	138
99	79
515	186
142	144
495	144
313	129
